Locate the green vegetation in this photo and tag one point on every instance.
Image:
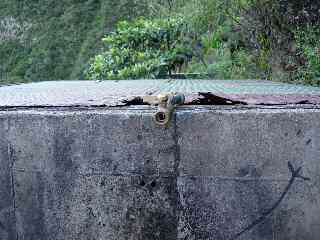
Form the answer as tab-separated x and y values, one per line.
143	49
53	40
308	44
220	39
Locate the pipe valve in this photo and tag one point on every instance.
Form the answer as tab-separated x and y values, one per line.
166	103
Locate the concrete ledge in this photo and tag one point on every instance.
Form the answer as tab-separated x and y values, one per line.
113	174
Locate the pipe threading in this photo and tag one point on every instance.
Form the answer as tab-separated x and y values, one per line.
166	108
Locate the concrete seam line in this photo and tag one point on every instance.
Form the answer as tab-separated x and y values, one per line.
178	207
12	180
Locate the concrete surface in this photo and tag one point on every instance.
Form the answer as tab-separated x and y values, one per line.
233	167
112	174
7	218
117	93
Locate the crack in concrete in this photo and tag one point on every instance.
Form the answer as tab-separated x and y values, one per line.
10	155
179	207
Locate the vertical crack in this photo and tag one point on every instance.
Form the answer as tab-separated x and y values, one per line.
13	191
178	208
177	147
184	230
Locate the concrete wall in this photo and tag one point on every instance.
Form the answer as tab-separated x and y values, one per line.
114	175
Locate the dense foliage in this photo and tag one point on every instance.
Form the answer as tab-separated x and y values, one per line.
143	49
282	35
265	39
52	40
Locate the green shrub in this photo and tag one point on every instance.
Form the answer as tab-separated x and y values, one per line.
143	49
308	44
227	65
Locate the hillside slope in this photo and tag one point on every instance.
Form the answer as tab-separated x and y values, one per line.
46	40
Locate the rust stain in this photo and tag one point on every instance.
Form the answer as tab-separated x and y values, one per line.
249	99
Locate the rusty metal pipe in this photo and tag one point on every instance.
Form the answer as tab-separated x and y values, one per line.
166	107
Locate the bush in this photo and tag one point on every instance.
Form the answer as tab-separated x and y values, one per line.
277	34
308	44
143	49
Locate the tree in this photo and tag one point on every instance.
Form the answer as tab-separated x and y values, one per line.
143	49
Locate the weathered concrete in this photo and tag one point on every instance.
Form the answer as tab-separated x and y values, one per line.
101	175
233	167
118	93
112	174
7	219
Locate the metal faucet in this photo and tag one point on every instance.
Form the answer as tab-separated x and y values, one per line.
166	102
